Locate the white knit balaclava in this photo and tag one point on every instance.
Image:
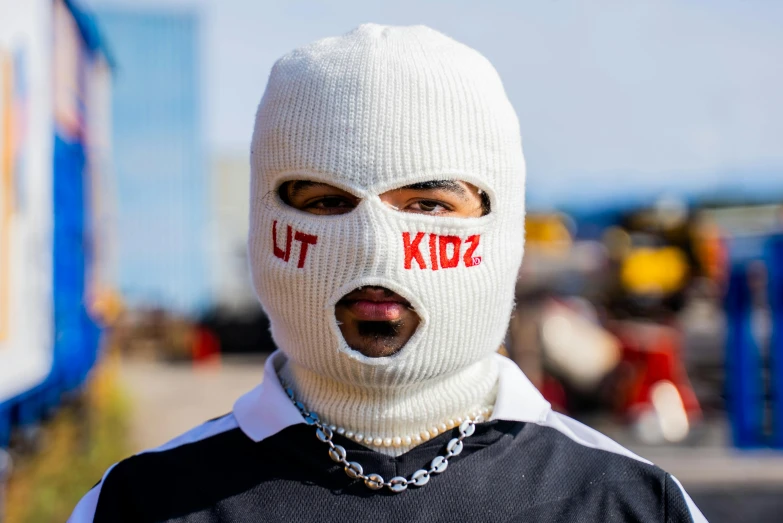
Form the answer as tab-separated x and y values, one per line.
377	109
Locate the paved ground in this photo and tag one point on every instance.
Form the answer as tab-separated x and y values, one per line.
709	460
740	504
728	485
169	399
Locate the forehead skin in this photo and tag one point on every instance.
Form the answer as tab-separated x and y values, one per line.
294	188
446	185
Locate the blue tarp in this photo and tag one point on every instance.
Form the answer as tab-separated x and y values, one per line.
76	335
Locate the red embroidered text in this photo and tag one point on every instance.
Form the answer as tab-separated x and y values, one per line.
305	240
445	252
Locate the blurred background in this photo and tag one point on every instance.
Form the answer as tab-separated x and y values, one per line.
649	305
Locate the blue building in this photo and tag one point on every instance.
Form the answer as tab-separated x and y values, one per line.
159	160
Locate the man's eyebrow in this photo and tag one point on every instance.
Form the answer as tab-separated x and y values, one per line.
446	185
298	186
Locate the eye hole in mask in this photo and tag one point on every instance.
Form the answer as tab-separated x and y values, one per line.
448	198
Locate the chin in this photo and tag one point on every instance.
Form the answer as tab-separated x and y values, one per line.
377	348
375	339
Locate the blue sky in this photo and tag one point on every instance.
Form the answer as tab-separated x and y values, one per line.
615	98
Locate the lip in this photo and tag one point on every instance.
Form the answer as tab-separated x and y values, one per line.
375	304
376	311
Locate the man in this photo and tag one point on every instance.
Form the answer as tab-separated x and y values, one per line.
387	205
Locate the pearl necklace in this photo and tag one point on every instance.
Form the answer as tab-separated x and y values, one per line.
477	415
397	484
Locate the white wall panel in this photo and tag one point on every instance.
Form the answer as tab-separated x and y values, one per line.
26	185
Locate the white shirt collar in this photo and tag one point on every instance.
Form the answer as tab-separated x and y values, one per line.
266	410
518	399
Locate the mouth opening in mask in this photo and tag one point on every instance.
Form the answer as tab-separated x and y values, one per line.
376	321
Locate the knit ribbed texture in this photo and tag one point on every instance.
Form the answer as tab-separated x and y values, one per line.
380	108
404	411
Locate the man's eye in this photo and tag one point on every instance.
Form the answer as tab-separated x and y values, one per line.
329	205
429	206
329	202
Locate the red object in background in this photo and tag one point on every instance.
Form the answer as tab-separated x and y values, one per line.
554	393
206	347
650	354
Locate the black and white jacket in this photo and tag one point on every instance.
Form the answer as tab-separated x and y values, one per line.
262	463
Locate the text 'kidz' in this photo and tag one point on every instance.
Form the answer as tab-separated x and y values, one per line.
444	251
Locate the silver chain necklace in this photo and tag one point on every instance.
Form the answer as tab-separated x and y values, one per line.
375	481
